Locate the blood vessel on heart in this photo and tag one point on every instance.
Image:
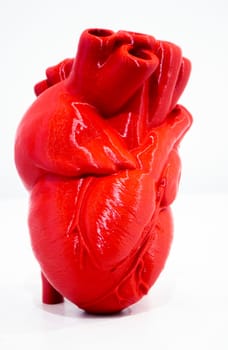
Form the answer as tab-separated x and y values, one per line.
98	153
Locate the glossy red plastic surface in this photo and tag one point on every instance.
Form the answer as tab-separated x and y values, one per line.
98	151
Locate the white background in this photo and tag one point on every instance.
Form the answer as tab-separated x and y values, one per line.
188	306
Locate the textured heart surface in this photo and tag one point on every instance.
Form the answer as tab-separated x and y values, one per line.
98	151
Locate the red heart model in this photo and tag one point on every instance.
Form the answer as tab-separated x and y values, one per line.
98	151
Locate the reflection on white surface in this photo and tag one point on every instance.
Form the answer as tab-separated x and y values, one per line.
186	309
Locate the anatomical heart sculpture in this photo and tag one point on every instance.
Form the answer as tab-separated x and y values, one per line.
98	152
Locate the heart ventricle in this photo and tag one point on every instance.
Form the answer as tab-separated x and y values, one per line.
95	239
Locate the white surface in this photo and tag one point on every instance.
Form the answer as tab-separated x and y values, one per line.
186	309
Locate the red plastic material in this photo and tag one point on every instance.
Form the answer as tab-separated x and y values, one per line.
98	151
